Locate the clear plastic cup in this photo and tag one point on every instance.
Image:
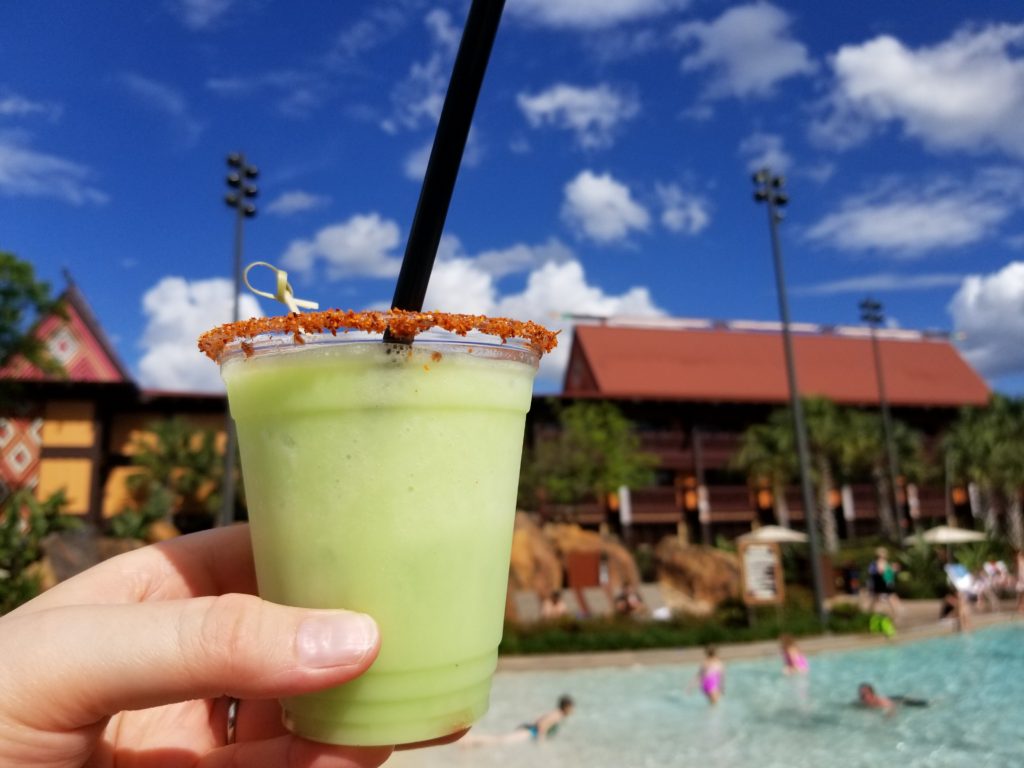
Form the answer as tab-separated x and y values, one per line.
382	478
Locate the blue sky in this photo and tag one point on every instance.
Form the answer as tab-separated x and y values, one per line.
608	171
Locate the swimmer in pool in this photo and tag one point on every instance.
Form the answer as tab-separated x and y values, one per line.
711	675
869	698
544	727
793	660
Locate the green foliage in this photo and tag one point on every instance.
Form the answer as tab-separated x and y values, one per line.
767	451
974	556
730	624
921	576
24	523
985	446
179	470
24	301
133	523
594	452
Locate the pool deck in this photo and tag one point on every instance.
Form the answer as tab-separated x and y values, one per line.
915	623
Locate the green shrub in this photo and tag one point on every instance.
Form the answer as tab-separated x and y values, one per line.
732	623
24	523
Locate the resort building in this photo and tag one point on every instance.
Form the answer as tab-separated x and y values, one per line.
693	386
690	386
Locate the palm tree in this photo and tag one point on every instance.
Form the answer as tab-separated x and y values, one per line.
767	453
827	433
863	454
769	450
986	447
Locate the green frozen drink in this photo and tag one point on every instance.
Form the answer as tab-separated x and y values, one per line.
382	478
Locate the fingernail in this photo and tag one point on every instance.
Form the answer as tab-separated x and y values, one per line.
335	639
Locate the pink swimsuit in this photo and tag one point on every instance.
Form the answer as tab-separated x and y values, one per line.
711	681
796	660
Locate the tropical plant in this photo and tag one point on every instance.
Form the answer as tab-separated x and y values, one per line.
24	301
24	523
767	454
986	447
863	454
178	470
594	452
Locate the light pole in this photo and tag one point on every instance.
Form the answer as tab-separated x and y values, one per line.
769	189
872	313
239	196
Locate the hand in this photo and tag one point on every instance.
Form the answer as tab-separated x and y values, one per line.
130	664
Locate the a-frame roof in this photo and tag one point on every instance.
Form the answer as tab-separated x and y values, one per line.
78	343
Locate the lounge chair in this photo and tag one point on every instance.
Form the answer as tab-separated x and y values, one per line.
597	603
526	605
969	586
572	604
654	601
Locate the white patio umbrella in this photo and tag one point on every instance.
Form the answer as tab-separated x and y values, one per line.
946	534
774	534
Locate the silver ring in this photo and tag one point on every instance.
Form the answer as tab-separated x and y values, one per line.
232	720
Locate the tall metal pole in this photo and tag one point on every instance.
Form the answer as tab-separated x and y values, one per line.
769	190
238	197
871	312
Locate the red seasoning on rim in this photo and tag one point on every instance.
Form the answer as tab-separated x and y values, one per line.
399	321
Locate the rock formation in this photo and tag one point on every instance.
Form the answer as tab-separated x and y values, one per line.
535	565
696	579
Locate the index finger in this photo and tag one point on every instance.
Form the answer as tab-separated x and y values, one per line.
196	565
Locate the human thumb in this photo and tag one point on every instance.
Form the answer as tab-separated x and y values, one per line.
120	657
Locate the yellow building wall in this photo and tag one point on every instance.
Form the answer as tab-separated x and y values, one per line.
74	476
115	494
127	430
69	424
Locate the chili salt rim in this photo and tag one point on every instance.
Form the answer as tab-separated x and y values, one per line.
400	322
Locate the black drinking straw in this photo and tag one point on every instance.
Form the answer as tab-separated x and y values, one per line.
446	156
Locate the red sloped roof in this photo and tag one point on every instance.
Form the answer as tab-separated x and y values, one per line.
78	343
741	366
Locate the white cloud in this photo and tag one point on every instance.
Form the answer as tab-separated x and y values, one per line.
682	211
24	172
296	201
749	49
602	209
418	98
377	25
362	246
459	285
201	14
415	165
965	93
906	222
590	14
499	262
880	282
592	114
988	311
166	100
177	311
765	150
16	105
297	94
553	290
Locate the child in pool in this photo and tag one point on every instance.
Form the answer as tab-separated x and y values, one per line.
711	675
544	727
793	660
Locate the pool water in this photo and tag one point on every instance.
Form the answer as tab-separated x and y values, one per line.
645	716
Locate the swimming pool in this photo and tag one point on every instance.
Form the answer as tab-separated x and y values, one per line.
642	716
